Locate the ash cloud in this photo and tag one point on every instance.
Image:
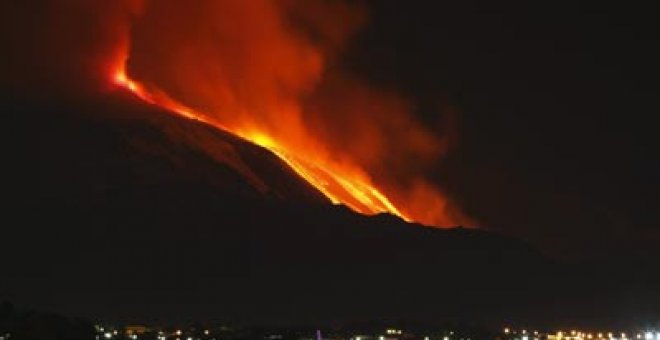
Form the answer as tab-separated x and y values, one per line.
259	64
273	66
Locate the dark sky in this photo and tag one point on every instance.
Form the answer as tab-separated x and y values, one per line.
555	103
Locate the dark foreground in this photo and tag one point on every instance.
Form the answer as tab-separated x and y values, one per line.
120	214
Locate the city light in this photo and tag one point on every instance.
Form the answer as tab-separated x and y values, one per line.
576	334
392	331
139	332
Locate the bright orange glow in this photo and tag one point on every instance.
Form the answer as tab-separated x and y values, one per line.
121	79
247	68
338	184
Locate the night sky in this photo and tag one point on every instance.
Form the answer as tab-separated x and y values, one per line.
546	110
555	106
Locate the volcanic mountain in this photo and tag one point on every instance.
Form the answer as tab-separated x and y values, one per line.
121	210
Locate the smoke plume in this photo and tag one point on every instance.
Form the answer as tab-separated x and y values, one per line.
259	67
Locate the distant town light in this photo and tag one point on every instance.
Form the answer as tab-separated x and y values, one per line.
507	330
107	335
648	336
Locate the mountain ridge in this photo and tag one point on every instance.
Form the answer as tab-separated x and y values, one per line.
136	215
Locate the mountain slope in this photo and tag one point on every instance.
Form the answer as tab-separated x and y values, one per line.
123	211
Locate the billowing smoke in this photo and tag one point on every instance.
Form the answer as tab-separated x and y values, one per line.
62	47
258	67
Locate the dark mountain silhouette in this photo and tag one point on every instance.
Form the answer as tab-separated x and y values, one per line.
33	325
124	212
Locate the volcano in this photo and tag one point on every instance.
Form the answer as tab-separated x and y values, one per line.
125	212
236	161
131	204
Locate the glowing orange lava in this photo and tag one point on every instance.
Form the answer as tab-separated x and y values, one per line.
340	183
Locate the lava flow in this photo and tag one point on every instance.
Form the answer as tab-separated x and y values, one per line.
340	187
270	72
